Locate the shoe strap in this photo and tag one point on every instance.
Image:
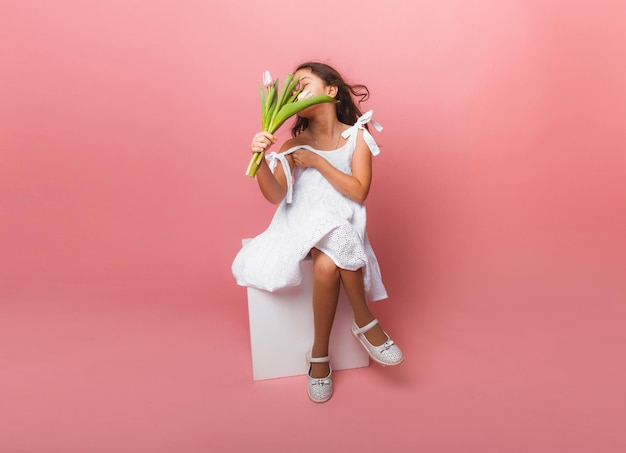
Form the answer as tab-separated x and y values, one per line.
319	359
365	328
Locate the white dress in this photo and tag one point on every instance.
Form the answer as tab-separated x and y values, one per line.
313	215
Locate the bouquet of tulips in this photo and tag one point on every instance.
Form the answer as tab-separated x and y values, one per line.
277	107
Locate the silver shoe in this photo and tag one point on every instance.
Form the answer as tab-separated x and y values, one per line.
319	389
387	353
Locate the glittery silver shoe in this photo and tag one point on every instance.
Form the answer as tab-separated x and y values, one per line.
387	353
319	389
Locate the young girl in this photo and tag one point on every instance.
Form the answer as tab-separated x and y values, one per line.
320	180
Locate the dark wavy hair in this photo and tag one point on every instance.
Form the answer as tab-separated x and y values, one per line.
347	110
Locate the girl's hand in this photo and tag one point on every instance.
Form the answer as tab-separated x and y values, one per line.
262	141
305	158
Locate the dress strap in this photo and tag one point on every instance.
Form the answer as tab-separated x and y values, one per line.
273	158
360	123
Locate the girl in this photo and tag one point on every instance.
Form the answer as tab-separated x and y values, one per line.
320	185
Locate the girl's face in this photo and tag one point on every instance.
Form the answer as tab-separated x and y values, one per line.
313	85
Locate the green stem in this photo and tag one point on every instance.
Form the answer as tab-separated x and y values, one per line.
254	164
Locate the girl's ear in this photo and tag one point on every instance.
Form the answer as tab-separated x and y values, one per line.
331	91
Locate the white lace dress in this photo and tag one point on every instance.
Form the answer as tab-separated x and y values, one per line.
313	214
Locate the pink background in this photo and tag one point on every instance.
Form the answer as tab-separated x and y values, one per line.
497	211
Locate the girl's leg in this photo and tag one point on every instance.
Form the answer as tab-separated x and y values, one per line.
353	285
325	295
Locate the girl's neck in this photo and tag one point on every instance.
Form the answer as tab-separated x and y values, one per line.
325	135
326	128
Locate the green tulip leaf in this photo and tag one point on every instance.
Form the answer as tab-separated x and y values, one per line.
288	110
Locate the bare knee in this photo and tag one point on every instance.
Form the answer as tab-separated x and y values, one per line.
324	267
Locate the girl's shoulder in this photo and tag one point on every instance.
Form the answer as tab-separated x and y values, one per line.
293	142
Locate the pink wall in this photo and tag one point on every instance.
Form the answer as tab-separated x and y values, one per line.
498	213
124	131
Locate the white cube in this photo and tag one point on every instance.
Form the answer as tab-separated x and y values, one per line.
281	331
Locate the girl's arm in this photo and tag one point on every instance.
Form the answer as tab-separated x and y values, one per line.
273	185
355	186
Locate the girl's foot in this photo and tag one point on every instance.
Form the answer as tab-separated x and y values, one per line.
319	389
375	335
319	370
386	353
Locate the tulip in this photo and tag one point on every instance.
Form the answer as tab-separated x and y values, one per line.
304	95
276	108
